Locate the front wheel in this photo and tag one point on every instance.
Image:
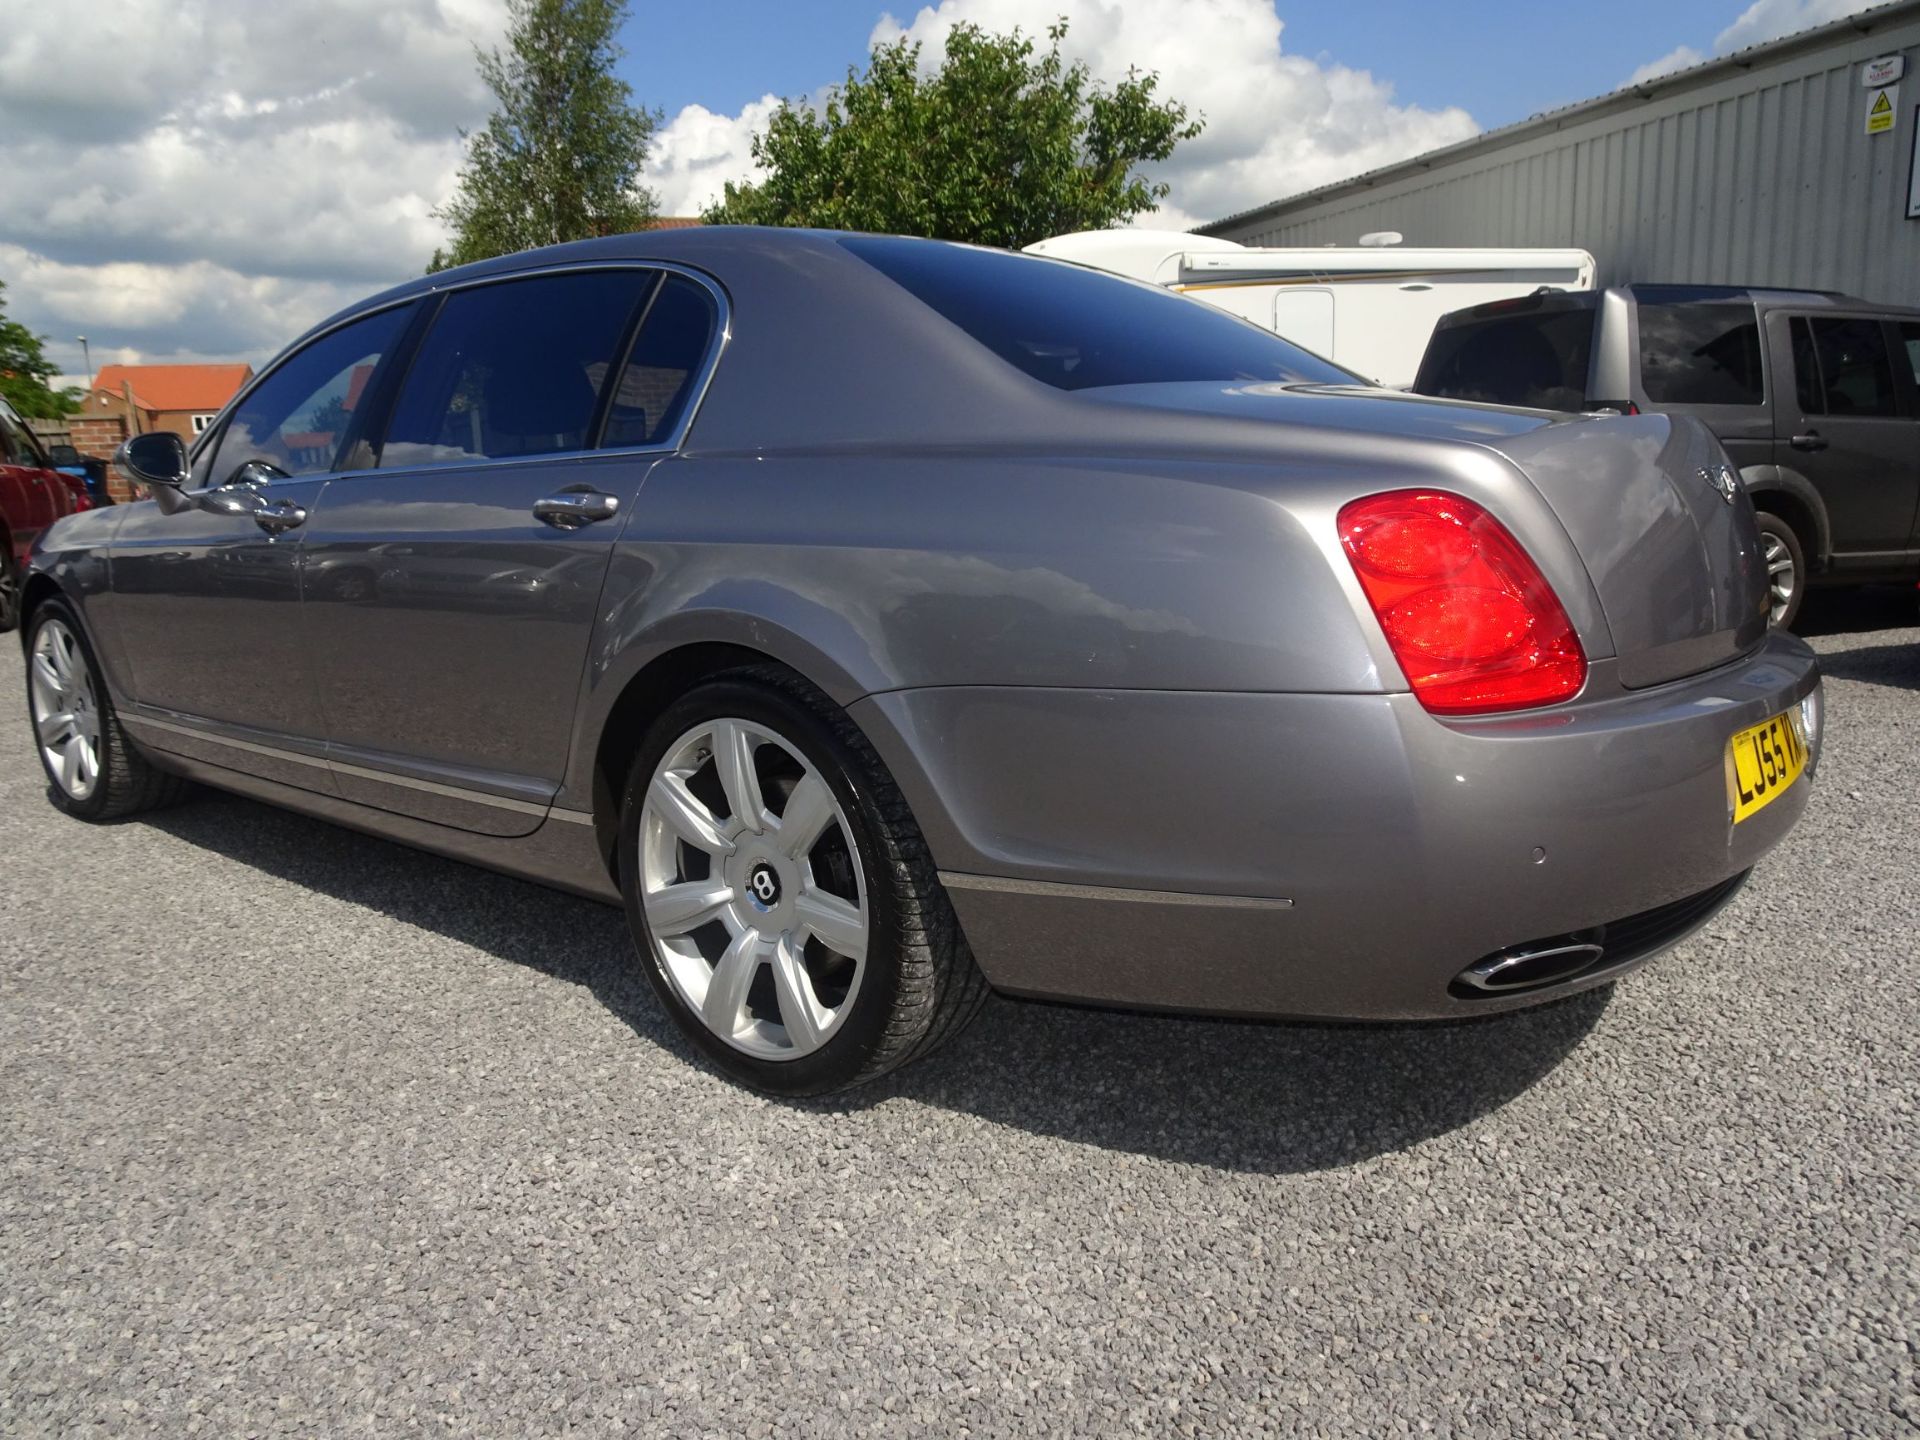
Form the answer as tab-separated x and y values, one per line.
93	771
1786	564
782	899
9	586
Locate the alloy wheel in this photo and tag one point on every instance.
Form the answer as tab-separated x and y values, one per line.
66	712
753	890
1782	580
9	590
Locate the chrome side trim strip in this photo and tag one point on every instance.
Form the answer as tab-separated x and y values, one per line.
572	817
434	787
1053	889
194	733
387	777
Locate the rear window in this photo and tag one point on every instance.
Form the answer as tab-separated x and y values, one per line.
1855	371
1700	354
1537	359
1078	329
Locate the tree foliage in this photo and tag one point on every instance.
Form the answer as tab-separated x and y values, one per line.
1000	146
25	370
560	157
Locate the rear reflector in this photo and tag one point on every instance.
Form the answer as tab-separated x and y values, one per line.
1469	616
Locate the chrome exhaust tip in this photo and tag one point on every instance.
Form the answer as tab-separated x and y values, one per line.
1528	967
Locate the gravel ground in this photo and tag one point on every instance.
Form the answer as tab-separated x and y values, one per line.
309	1134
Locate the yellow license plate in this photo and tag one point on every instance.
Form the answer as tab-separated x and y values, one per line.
1762	761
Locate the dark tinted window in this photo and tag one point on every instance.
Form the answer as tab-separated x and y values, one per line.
1077	329
1537	359
296	418
513	368
1806	370
16	446
1700	354
1910	338
1855	370
656	385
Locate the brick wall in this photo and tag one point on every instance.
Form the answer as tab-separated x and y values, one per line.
100	436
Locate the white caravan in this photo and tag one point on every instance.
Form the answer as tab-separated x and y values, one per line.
1371	307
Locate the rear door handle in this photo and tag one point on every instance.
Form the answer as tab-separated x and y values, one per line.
571	509
1812	440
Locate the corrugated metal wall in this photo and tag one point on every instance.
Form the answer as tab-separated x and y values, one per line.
1765	178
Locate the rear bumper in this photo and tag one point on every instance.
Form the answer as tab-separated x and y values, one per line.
1326	856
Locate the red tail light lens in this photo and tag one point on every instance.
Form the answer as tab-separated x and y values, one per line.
1468	614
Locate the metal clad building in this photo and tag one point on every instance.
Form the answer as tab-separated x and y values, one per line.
1756	168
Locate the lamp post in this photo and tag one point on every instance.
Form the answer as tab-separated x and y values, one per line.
86	356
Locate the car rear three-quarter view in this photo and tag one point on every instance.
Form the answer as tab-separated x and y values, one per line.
883	621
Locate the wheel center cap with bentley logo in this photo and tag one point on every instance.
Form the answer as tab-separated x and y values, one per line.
763	886
1722	478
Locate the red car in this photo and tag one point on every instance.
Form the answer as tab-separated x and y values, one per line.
32	496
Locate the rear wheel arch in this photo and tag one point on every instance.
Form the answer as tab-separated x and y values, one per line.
647	695
1792	497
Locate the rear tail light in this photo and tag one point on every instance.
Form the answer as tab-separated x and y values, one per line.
1469	616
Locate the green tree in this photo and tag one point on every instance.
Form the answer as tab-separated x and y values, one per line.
1000	146
560	157
25	370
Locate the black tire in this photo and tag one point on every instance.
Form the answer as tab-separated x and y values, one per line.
128	782
920	986
1772	527
9	586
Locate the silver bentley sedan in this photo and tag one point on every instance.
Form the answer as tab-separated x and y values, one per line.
882	621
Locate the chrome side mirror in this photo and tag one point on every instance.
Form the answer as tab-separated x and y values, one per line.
157	460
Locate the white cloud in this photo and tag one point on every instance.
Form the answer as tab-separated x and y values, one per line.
1760	22
698	151
254	166
1770	19
1681	57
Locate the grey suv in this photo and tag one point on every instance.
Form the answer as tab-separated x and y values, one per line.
1815	396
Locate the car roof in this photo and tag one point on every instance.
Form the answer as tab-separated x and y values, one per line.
1765	297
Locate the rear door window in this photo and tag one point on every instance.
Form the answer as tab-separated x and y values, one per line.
513	369
1537	359
656	384
1701	353
1910	341
1855	370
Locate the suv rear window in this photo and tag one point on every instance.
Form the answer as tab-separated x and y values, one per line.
1536	358
1694	353
1077	329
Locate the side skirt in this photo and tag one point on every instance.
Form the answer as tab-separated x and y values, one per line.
564	856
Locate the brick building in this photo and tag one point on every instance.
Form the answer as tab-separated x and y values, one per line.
133	399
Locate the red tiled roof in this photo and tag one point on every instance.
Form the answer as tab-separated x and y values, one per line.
175	387
676	222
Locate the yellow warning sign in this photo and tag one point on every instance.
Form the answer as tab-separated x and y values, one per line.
1880	111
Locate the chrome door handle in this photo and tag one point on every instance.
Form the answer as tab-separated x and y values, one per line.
571	509
277	515
1812	440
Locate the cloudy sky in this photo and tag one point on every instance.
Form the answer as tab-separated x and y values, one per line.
255	164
